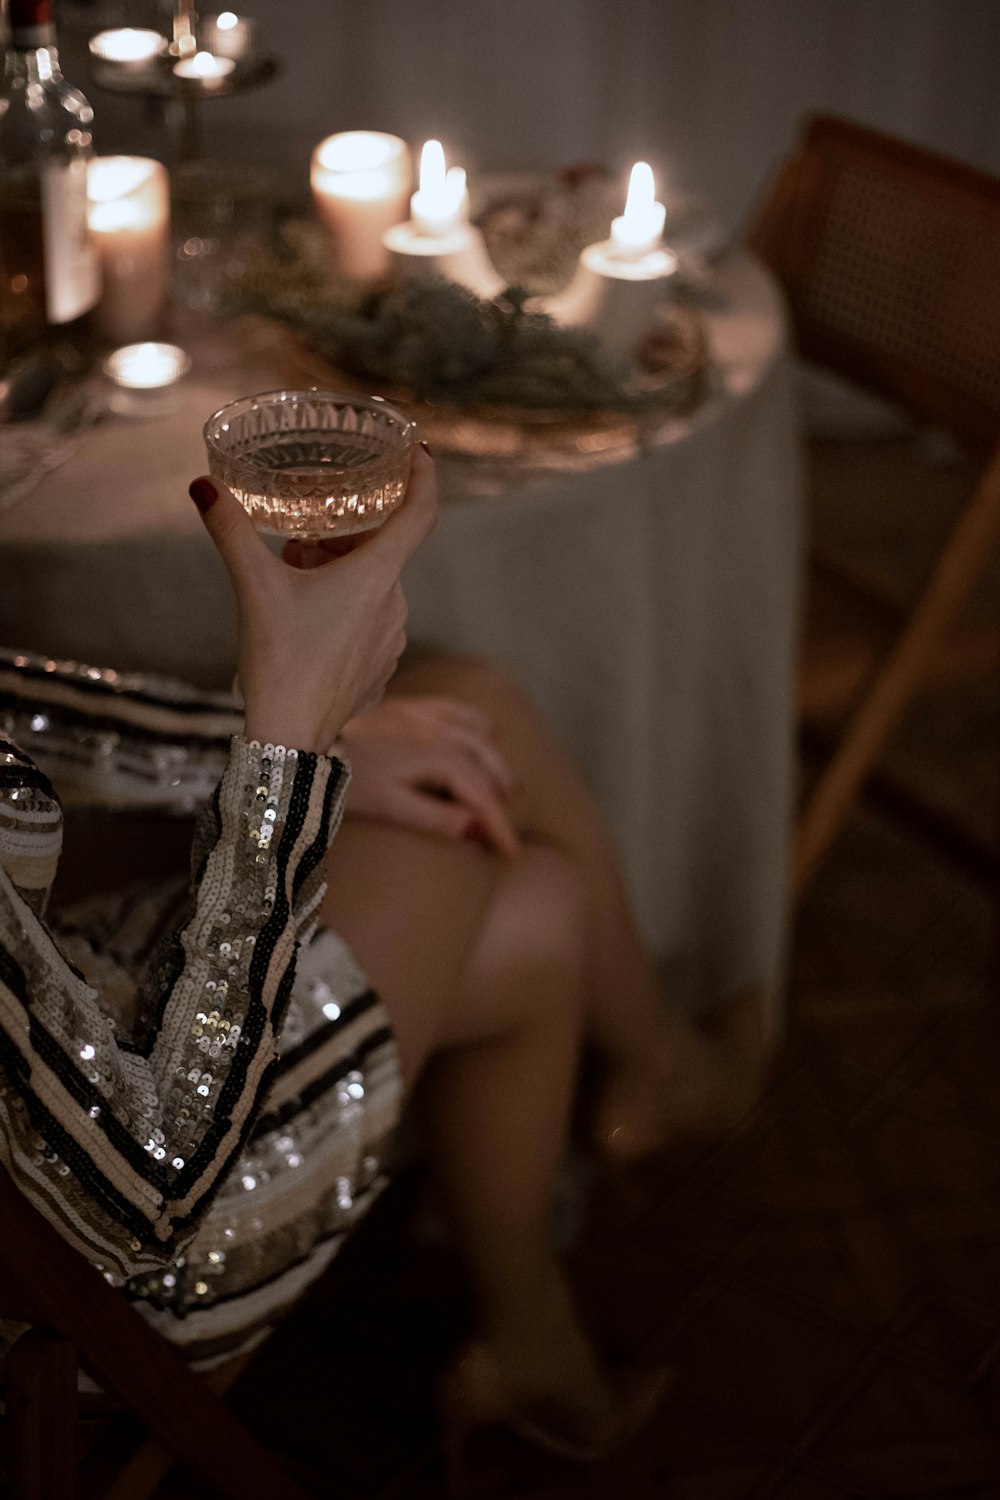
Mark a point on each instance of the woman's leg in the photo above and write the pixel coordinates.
(663, 1073)
(479, 967)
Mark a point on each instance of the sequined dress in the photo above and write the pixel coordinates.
(197, 1085)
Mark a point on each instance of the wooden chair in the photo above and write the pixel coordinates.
(75, 1316)
(889, 258)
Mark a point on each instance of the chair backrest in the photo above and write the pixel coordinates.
(889, 257)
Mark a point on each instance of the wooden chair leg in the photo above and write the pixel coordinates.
(961, 562)
(41, 1400)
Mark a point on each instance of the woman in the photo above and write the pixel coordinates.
(196, 1085)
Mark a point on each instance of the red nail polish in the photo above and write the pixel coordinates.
(203, 493)
(476, 832)
(426, 447)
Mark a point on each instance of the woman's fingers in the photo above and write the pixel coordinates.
(474, 792)
(485, 754)
(244, 553)
(401, 534)
(450, 820)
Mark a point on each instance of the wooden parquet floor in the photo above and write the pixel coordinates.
(826, 1282)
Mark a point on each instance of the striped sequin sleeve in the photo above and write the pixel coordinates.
(122, 1146)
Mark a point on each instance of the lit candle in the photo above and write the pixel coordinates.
(620, 281)
(438, 238)
(360, 182)
(130, 48)
(128, 212)
(227, 35)
(146, 366)
(204, 67)
(441, 203)
(639, 229)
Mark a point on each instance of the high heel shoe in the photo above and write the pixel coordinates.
(710, 1082)
(474, 1396)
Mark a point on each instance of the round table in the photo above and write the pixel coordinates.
(649, 605)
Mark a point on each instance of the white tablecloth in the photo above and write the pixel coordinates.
(648, 605)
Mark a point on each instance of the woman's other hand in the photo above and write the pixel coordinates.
(430, 764)
(321, 631)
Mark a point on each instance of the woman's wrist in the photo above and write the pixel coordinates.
(294, 732)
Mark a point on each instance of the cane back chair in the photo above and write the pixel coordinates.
(889, 258)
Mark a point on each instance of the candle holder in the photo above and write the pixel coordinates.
(179, 94)
(126, 50)
(614, 296)
(204, 69)
(459, 255)
(227, 35)
(143, 377)
(185, 21)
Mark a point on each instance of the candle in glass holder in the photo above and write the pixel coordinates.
(438, 237)
(360, 181)
(204, 68)
(619, 281)
(128, 211)
(146, 366)
(130, 48)
(227, 35)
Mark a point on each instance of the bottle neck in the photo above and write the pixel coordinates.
(32, 54)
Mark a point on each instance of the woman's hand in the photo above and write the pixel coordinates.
(321, 631)
(431, 764)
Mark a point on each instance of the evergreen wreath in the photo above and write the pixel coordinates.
(435, 341)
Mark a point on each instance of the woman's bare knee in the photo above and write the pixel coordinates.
(473, 679)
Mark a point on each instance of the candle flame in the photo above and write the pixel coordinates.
(432, 173)
(441, 190)
(641, 192)
(357, 151)
(227, 20)
(110, 177)
(146, 367)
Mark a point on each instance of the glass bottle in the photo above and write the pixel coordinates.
(49, 271)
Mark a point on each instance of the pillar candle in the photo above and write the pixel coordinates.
(129, 216)
(361, 181)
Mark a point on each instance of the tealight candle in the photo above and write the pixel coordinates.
(639, 229)
(441, 202)
(130, 48)
(360, 182)
(204, 67)
(619, 281)
(146, 366)
(438, 237)
(128, 212)
(227, 35)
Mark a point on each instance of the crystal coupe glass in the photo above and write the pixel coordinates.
(312, 464)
